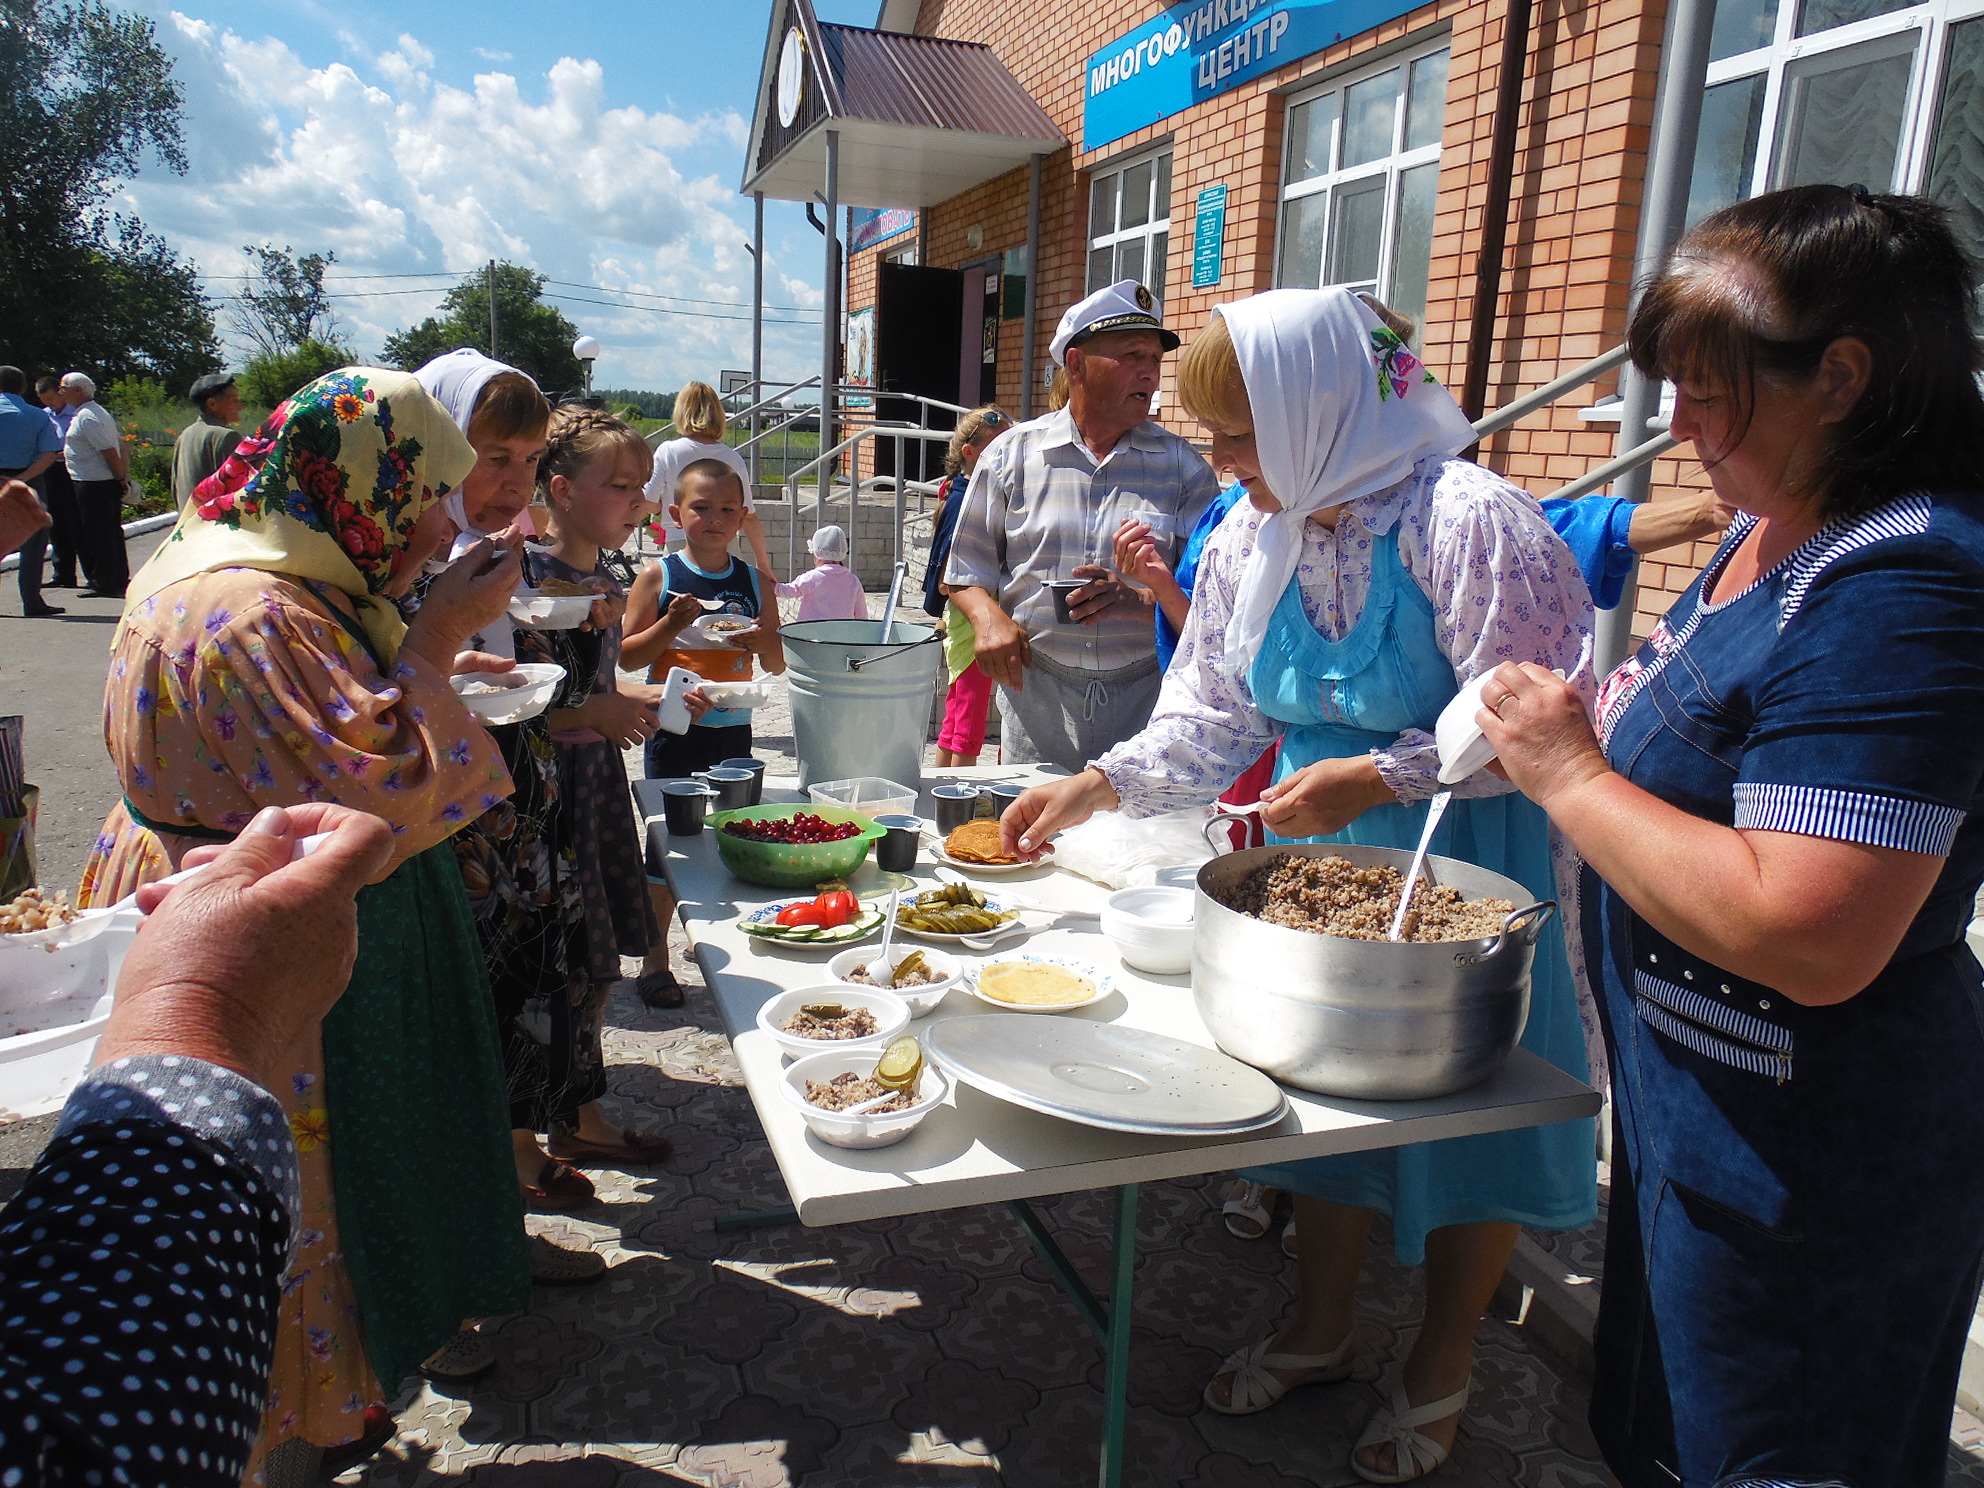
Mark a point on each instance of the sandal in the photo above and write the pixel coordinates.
(553, 1265)
(560, 1188)
(1416, 1453)
(1248, 1211)
(633, 1149)
(1289, 1240)
(467, 1356)
(659, 989)
(380, 1428)
(1255, 1386)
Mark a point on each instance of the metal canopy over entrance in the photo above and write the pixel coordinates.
(920, 119)
(847, 116)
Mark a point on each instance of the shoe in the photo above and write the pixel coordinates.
(633, 1150)
(379, 1429)
(560, 1188)
(1255, 1387)
(42, 612)
(659, 989)
(553, 1265)
(1417, 1454)
(1248, 1211)
(93, 594)
(1290, 1241)
(467, 1356)
(68, 581)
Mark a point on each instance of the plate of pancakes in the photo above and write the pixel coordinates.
(974, 848)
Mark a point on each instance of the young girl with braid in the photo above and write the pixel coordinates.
(591, 479)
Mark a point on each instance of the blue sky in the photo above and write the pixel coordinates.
(422, 140)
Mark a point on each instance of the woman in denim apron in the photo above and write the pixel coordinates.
(1779, 814)
(1370, 575)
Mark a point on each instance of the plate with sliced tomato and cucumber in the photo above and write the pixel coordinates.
(834, 916)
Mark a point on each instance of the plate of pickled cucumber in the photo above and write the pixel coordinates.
(952, 912)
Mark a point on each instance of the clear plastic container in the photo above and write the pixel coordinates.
(870, 795)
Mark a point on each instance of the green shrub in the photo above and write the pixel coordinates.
(266, 380)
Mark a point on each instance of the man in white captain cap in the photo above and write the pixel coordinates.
(1044, 505)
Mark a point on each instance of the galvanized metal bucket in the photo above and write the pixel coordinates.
(1365, 1019)
(860, 706)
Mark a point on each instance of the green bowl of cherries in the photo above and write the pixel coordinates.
(793, 847)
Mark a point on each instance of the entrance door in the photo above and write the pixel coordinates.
(919, 319)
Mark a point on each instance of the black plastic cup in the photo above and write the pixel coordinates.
(1061, 589)
(954, 804)
(757, 768)
(896, 852)
(732, 788)
(683, 803)
(1001, 796)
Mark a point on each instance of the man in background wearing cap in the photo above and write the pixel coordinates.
(93, 449)
(202, 446)
(59, 492)
(1044, 505)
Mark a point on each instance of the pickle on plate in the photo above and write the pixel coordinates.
(901, 1064)
(823, 1010)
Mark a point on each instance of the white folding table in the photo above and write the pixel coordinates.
(978, 1149)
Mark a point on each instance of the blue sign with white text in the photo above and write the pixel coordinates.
(1199, 49)
(1209, 237)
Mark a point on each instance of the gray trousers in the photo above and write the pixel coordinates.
(1068, 716)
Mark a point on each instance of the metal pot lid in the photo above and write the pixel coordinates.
(1101, 1074)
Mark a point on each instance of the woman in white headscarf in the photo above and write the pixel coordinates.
(1369, 576)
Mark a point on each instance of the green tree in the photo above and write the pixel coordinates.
(271, 376)
(90, 95)
(530, 335)
(285, 304)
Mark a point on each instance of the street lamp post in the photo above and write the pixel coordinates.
(586, 349)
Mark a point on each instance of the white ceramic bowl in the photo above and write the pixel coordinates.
(512, 704)
(1102, 980)
(550, 611)
(1464, 749)
(920, 1000)
(858, 1131)
(891, 1018)
(1151, 928)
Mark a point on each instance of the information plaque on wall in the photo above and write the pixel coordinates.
(1209, 237)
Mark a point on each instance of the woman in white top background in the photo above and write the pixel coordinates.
(700, 417)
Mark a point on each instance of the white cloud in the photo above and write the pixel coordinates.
(488, 56)
(398, 173)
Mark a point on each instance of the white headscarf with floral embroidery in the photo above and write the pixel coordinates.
(1341, 409)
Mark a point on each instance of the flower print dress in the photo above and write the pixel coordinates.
(520, 865)
(238, 689)
(620, 918)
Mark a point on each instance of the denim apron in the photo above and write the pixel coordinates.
(1338, 699)
(1796, 1230)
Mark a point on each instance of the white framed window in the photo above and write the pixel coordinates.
(1880, 93)
(1360, 174)
(1129, 223)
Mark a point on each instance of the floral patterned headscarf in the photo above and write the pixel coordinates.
(327, 489)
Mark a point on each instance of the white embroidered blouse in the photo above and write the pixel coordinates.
(1501, 582)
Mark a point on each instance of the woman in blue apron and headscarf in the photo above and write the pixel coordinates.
(1372, 574)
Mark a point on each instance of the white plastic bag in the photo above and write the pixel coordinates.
(1125, 852)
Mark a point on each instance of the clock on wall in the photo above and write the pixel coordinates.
(791, 77)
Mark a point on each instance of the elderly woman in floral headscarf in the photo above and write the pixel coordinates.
(262, 661)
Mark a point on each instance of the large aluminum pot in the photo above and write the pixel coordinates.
(1366, 1019)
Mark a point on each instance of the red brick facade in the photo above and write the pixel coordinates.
(1581, 151)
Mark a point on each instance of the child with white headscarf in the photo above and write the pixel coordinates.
(830, 590)
(1371, 574)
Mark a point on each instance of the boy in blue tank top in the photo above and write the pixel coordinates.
(709, 507)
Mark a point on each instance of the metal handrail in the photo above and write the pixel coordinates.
(1550, 392)
(822, 482)
(1612, 469)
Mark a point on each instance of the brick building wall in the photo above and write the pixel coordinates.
(1580, 159)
